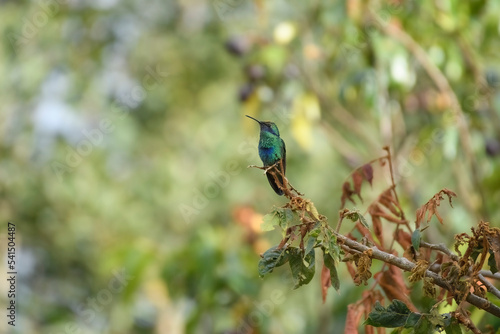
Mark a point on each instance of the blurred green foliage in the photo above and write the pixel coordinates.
(124, 146)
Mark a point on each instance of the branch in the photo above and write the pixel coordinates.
(406, 265)
(481, 276)
(440, 247)
(489, 274)
(491, 289)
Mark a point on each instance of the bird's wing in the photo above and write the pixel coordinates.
(283, 153)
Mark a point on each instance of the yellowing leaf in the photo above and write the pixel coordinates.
(312, 209)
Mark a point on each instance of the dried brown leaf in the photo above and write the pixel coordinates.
(430, 211)
(363, 264)
(418, 272)
(325, 282)
(392, 282)
(494, 243)
(410, 254)
(377, 229)
(357, 180)
(420, 215)
(403, 238)
(450, 194)
(430, 208)
(351, 269)
(429, 287)
(347, 193)
(354, 314)
(363, 230)
(368, 173)
(375, 210)
(388, 200)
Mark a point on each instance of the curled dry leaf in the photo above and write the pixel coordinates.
(403, 238)
(388, 200)
(325, 282)
(351, 269)
(377, 229)
(363, 263)
(347, 193)
(494, 244)
(430, 208)
(418, 272)
(368, 173)
(392, 282)
(357, 180)
(354, 314)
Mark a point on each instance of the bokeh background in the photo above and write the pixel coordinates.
(124, 148)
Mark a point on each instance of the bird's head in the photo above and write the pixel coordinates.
(267, 126)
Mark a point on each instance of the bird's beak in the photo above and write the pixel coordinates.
(253, 119)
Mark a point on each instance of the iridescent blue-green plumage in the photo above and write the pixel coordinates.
(271, 150)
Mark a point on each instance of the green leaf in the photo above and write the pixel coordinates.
(476, 252)
(492, 262)
(415, 239)
(331, 245)
(354, 216)
(331, 265)
(284, 217)
(423, 326)
(453, 327)
(310, 244)
(315, 232)
(270, 220)
(396, 315)
(288, 217)
(271, 259)
(363, 220)
(435, 318)
(450, 324)
(303, 268)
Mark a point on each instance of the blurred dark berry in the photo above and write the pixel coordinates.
(492, 147)
(255, 72)
(238, 45)
(246, 91)
(492, 79)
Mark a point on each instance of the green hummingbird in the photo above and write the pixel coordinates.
(271, 150)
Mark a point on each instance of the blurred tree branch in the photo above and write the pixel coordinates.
(444, 86)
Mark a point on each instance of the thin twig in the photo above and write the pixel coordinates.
(442, 248)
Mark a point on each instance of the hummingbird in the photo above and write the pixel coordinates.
(271, 150)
